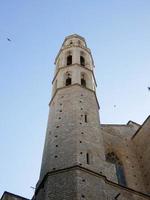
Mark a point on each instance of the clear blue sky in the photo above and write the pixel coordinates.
(118, 33)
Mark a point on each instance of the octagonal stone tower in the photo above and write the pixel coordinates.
(74, 165)
(73, 140)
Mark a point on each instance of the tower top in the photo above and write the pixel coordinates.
(69, 37)
(74, 65)
(74, 40)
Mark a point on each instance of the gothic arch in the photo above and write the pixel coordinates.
(69, 58)
(114, 159)
(83, 79)
(82, 59)
(85, 60)
(68, 78)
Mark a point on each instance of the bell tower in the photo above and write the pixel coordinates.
(73, 147)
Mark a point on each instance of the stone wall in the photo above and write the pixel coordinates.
(69, 138)
(117, 139)
(141, 141)
(78, 183)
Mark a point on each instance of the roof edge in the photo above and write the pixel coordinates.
(140, 127)
(12, 194)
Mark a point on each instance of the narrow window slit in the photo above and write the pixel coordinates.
(85, 118)
(87, 159)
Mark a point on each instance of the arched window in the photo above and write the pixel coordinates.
(69, 60)
(112, 158)
(82, 61)
(83, 82)
(68, 81)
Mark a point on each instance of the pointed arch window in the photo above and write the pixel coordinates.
(82, 61)
(68, 78)
(69, 60)
(83, 79)
(71, 42)
(112, 158)
(83, 82)
(68, 81)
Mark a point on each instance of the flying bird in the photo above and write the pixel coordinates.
(8, 39)
(148, 88)
(32, 187)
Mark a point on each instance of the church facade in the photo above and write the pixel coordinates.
(82, 158)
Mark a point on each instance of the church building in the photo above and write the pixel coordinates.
(82, 158)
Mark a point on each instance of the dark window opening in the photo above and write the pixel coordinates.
(120, 175)
(112, 158)
(83, 82)
(85, 118)
(87, 159)
(69, 60)
(82, 61)
(68, 81)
